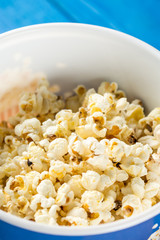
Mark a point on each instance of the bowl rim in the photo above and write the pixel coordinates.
(89, 230)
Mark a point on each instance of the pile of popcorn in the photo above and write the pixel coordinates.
(92, 158)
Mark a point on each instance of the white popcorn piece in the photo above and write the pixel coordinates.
(77, 211)
(90, 130)
(75, 184)
(44, 144)
(46, 188)
(151, 141)
(64, 195)
(127, 189)
(122, 104)
(98, 102)
(118, 149)
(23, 205)
(28, 126)
(134, 167)
(57, 149)
(105, 182)
(75, 146)
(137, 185)
(58, 169)
(134, 112)
(46, 124)
(146, 204)
(64, 115)
(17, 185)
(44, 216)
(121, 175)
(90, 180)
(131, 205)
(108, 203)
(101, 162)
(151, 189)
(92, 200)
(33, 179)
(102, 217)
(42, 200)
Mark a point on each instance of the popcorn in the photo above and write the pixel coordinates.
(134, 167)
(17, 185)
(75, 146)
(151, 189)
(131, 205)
(90, 180)
(117, 149)
(78, 211)
(58, 169)
(90, 130)
(33, 179)
(95, 162)
(101, 162)
(107, 87)
(134, 112)
(44, 144)
(46, 188)
(47, 217)
(75, 184)
(146, 204)
(28, 126)
(57, 148)
(92, 200)
(151, 141)
(122, 104)
(77, 216)
(121, 175)
(101, 217)
(137, 185)
(23, 204)
(105, 182)
(64, 195)
(42, 200)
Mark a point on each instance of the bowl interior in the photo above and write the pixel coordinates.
(73, 53)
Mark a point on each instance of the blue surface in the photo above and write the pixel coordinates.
(139, 18)
(139, 232)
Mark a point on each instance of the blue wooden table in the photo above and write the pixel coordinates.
(139, 18)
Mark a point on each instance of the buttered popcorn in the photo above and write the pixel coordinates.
(92, 158)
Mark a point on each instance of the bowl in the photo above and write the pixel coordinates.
(75, 53)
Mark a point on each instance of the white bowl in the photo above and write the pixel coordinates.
(75, 53)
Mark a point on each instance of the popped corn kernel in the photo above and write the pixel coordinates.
(57, 149)
(46, 188)
(151, 189)
(90, 180)
(131, 205)
(101, 162)
(64, 195)
(137, 185)
(92, 200)
(41, 200)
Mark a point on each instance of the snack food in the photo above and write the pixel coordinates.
(89, 159)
